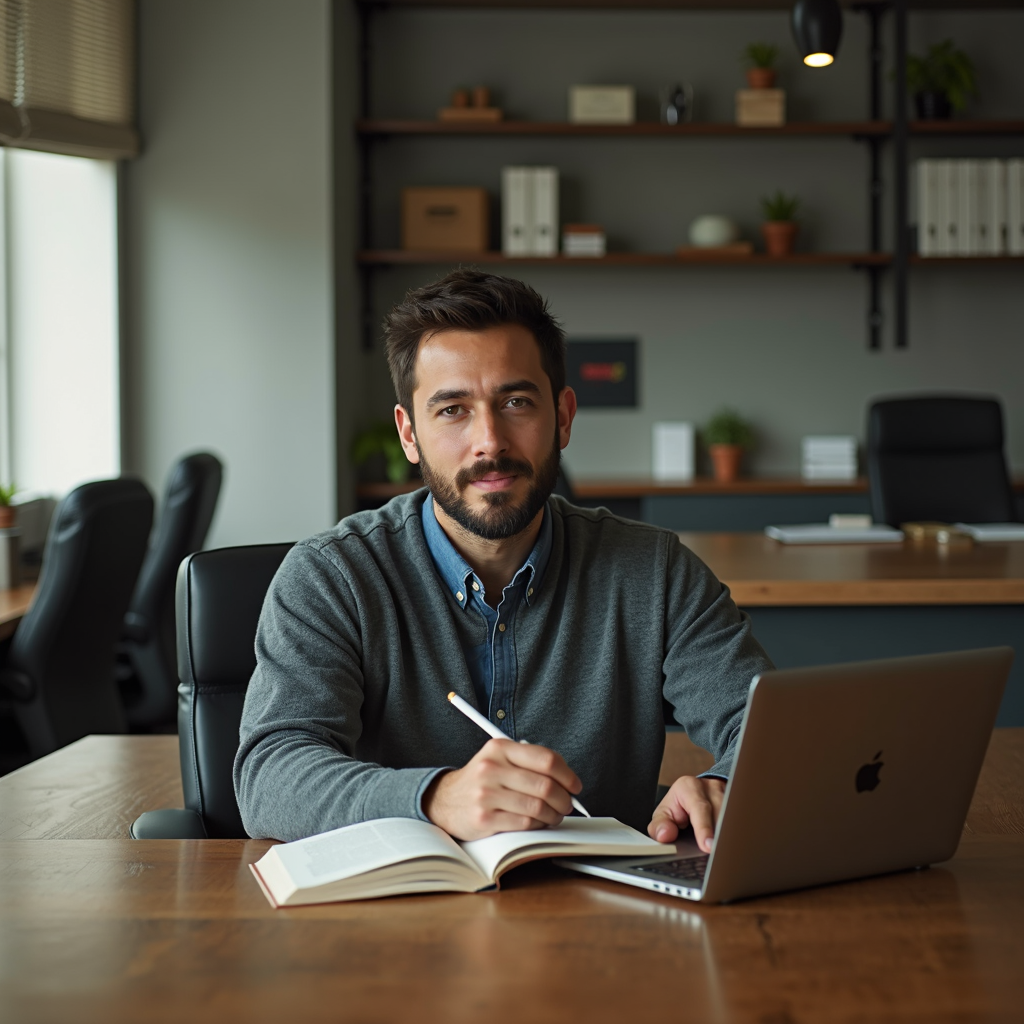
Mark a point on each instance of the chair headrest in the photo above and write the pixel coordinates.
(939, 423)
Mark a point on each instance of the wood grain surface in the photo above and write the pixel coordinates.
(762, 572)
(113, 930)
(13, 605)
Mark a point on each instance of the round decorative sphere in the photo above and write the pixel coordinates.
(712, 230)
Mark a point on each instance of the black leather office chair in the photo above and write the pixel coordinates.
(219, 597)
(147, 674)
(938, 458)
(563, 487)
(59, 667)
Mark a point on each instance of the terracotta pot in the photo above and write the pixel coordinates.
(779, 236)
(761, 78)
(6, 517)
(725, 459)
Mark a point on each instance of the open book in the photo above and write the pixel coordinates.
(389, 856)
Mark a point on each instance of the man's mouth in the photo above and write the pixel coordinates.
(494, 481)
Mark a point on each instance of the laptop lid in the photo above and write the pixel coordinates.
(850, 770)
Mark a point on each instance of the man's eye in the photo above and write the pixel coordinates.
(517, 403)
(450, 410)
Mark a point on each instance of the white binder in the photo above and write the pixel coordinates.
(1015, 207)
(545, 211)
(516, 211)
(992, 207)
(927, 207)
(967, 221)
(948, 208)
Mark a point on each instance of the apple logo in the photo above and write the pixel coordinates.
(867, 775)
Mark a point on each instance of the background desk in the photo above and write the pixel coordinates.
(97, 927)
(818, 604)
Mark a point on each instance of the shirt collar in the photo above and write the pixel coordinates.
(458, 574)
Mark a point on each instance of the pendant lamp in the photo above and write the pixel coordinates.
(817, 29)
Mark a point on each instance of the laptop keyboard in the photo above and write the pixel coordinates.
(685, 869)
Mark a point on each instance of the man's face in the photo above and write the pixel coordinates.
(487, 432)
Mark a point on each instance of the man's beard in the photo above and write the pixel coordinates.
(503, 519)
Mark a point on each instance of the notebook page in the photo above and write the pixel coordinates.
(566, 838)
(356, 849)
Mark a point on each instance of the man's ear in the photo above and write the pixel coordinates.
(406, 434)
(566, 414)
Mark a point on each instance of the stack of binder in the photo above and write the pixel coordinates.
(829, 458)
(970, 207)
(529, 211)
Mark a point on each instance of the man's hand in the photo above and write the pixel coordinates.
(507, 787)
(690, 801)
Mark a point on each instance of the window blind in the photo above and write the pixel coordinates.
(67, 76)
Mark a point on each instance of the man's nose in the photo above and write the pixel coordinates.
(489, 440)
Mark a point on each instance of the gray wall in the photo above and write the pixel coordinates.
(229, 333)
(786, 347)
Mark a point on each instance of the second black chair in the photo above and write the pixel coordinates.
(938, 458)
(59, 669)
(148, 675)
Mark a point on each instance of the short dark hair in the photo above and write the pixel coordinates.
(469, 300)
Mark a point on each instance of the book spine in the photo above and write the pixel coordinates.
(943, 195)
(996, 203)
(1015, 207)
(545, 211)
(967, 208)
(515, 223)
(927, 208)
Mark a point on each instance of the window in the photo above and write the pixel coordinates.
(59, 404)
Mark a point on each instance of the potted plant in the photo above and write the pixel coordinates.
(6, 509)
(940, 81)
(381, 438)
(760, 60)
(727, 434)
(779, 227)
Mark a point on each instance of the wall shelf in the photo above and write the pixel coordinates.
(390, 257)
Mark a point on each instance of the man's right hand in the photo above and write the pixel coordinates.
(507, 787)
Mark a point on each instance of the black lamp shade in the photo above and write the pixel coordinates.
(817, 29)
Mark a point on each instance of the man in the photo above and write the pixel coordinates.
(570, 628)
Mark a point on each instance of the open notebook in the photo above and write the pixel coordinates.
(389, 856)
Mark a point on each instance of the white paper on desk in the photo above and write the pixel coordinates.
(822, 533)
(992, 531)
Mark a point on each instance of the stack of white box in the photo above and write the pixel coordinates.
(829, 458)
(970, 207)
(583, 240)
(529, 211)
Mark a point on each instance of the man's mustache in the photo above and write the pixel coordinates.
(505, 465)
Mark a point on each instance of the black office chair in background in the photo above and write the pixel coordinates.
(59, 667)
(219, 597)
(147, 673)
(938, 458)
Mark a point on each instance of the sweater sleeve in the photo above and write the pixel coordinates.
(711, 656)
(296, 773)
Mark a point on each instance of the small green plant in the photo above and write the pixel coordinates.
(728, 427)
(761, 55)
(7, 491)
(943, 69)
(780, 206)
(382, 437)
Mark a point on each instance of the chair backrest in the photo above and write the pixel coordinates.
(184, 520)
(64, 648)
(219, 598)
(938, 458)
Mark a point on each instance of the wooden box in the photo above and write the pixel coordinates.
(760, 108)
(445, 218)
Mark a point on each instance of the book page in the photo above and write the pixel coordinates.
(356, 849)
(574, 836)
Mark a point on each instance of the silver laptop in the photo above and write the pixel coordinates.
(842, 771)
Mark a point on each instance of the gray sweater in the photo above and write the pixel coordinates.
(360, 641)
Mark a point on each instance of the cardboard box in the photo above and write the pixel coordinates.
(602, 104)
(760, 108)
(445, 218)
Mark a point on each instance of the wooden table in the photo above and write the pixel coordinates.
(13, 605)
(96, 927)
(819, 604)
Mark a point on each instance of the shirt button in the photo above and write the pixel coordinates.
(499, 713)
(501, 627)
(476, 586)
(458, 596)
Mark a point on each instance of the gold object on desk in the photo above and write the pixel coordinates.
(935, 533)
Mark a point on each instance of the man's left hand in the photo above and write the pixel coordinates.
(690, 801)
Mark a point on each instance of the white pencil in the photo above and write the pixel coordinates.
(492, 730)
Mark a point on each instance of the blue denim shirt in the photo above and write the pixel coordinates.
(492, 665)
